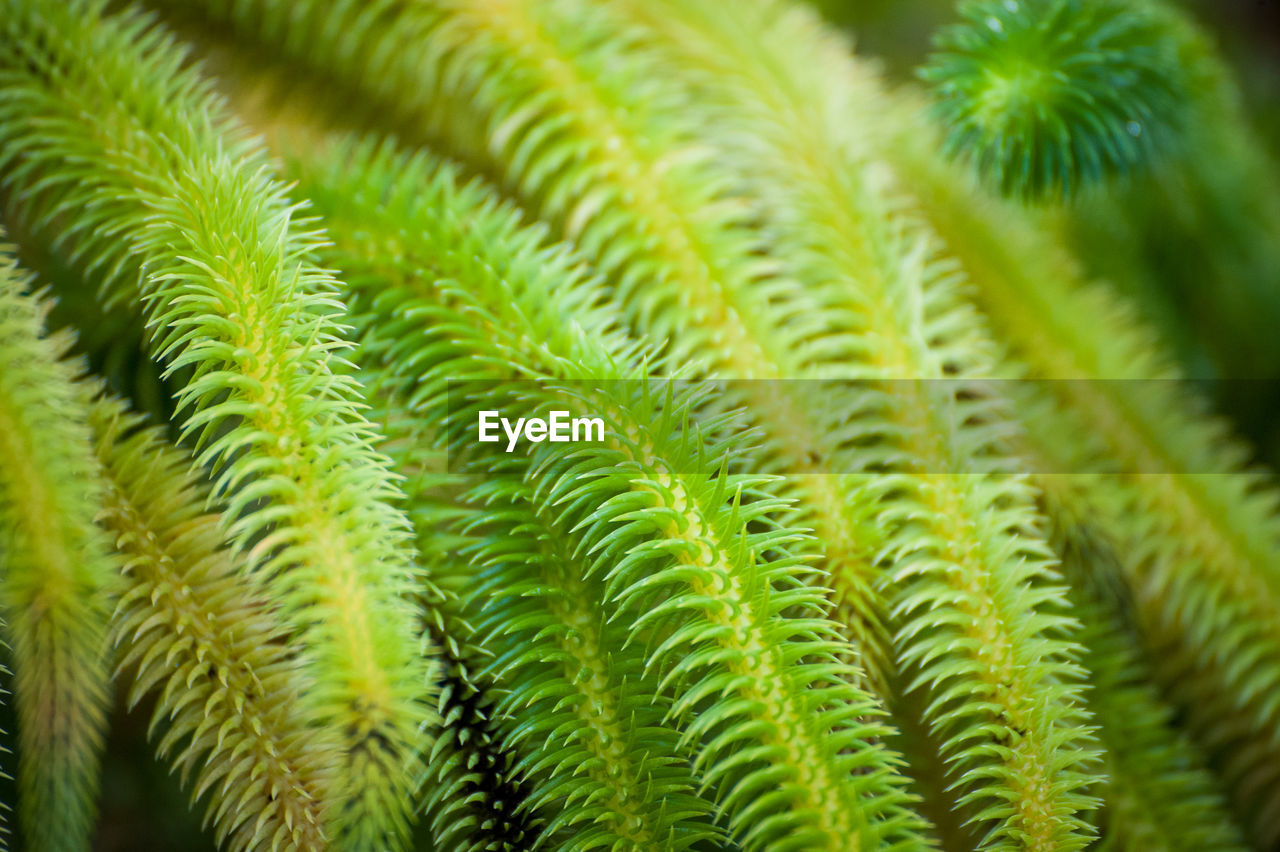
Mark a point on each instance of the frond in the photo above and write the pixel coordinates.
(1197, 529)
(893, 515)
(446, 252)
(829, 495)
(736, 634)
(190, 625)
(56, 574)
(475, 800)
(176, 212)
(670, 235)
(472, 800)
(1156, 787)
(1047, 95)
(505, 286)
(544, 90)
(573, 691)
(776, 89)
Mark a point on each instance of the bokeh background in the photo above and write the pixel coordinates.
(1195, 244)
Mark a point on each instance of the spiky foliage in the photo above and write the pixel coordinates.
(55, 574)
(1046, 95)
(555, 722)
(822, 209)
(173, 209)
(540, 86)
(470, 798)
(487, 275)
(1199, 548)
(1157, 790)
(673, 242)
(587, 700)
(1133, 744)
(342, 44)
(812, 781)
(635, 650)
(669, 236)
(473, 799)
(408, 282)
(190, 624)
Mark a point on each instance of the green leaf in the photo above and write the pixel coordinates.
(163, 198)
(55, 574)
(190, 625)
(498, 296)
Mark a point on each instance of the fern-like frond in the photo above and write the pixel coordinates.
(418, 249)
(572, 128)
(575, 691)
(627, 644)
(776, 89)
(472, 799)
(497, 291)
(1046, 95)
(344, 44)
(55, 574)
(715, 583)
(160, 196)
(191, 625)
(1156, 788)
(542, 733)
(1197, 529)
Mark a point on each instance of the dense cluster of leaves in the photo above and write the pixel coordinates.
(812, 611)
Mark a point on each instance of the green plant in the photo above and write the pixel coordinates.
(1050, 94)
(187, 224)
(508, 323)
(58, 572)
(820, 584)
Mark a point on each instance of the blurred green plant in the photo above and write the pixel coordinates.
(788, 622)
(1048, 95)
